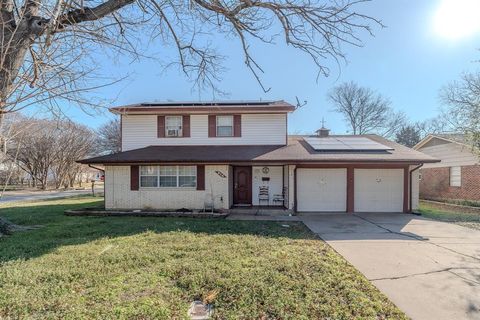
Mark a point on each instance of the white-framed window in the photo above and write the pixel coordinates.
(168, 176)
(173, 126)
(224, 126)
(149, 176)
(455, 176)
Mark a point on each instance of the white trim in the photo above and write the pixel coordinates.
(179, 127)
(177, 176)
(455, 176)
(431, 136)
(232, 126)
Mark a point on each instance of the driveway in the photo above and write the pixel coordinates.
(429, 269)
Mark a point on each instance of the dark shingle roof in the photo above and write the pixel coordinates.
(297, 151)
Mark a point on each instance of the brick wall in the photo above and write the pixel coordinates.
(119, 196)
(435, 184)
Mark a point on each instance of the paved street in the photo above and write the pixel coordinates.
(14, 196)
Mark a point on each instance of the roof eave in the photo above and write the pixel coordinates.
(289, 161)
(431, 136)
(230, 110)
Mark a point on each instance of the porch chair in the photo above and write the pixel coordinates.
(208, 203)
(280, 197)
(263, 195)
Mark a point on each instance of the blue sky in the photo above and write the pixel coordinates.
(408, 62)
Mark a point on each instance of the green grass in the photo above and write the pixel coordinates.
(467, 219)
(152, 268)
(468, 203)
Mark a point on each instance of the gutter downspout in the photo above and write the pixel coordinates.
(93, 167)
(410, 189)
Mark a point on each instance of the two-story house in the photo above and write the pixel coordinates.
(233, 154)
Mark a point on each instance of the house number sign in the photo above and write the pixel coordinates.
(221, 174)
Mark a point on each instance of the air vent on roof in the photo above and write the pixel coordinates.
(345, 144)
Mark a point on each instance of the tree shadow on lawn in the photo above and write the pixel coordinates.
(57, 230)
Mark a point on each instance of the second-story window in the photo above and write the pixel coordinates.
(224, 126)
(173, 126)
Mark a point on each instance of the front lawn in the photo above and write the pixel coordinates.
(152, 268)
(466, 219)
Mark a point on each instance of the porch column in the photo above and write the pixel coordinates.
(350, 189)
(291, 187)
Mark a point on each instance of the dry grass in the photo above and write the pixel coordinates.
(152, 268)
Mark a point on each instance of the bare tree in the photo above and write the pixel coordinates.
(9, 171)
(434, 125)
(365, 111)
(35, 150)
(109, 137)
(73, 142)
(48, 47)
(462, 99)
(49, 150)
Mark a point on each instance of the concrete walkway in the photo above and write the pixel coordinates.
(251, 217)
(429, 269)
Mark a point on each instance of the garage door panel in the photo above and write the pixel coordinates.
(321, 190)
(378, 190)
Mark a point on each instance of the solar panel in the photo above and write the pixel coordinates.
(345, 144)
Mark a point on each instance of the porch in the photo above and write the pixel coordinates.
(260, 211)
(261, 189)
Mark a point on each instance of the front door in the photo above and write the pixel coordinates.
(242, 185)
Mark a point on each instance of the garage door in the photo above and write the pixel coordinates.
(321, 190)
(378, 190)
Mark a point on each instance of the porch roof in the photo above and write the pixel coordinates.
(296, 151)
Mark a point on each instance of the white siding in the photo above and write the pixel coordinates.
(119, 196)
(275, 184)
(451, 154)
(139, 131)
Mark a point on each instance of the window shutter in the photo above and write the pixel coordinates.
(186, 126)
(201, 177)
(212, 125)
(134, 176)
(161, 126)
(237, 125)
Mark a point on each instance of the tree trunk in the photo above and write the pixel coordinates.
(7, 227)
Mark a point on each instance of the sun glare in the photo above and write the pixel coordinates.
(456, 19)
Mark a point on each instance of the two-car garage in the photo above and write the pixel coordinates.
(331, 190)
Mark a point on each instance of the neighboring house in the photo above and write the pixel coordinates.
(457, 176)
(186, 155)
